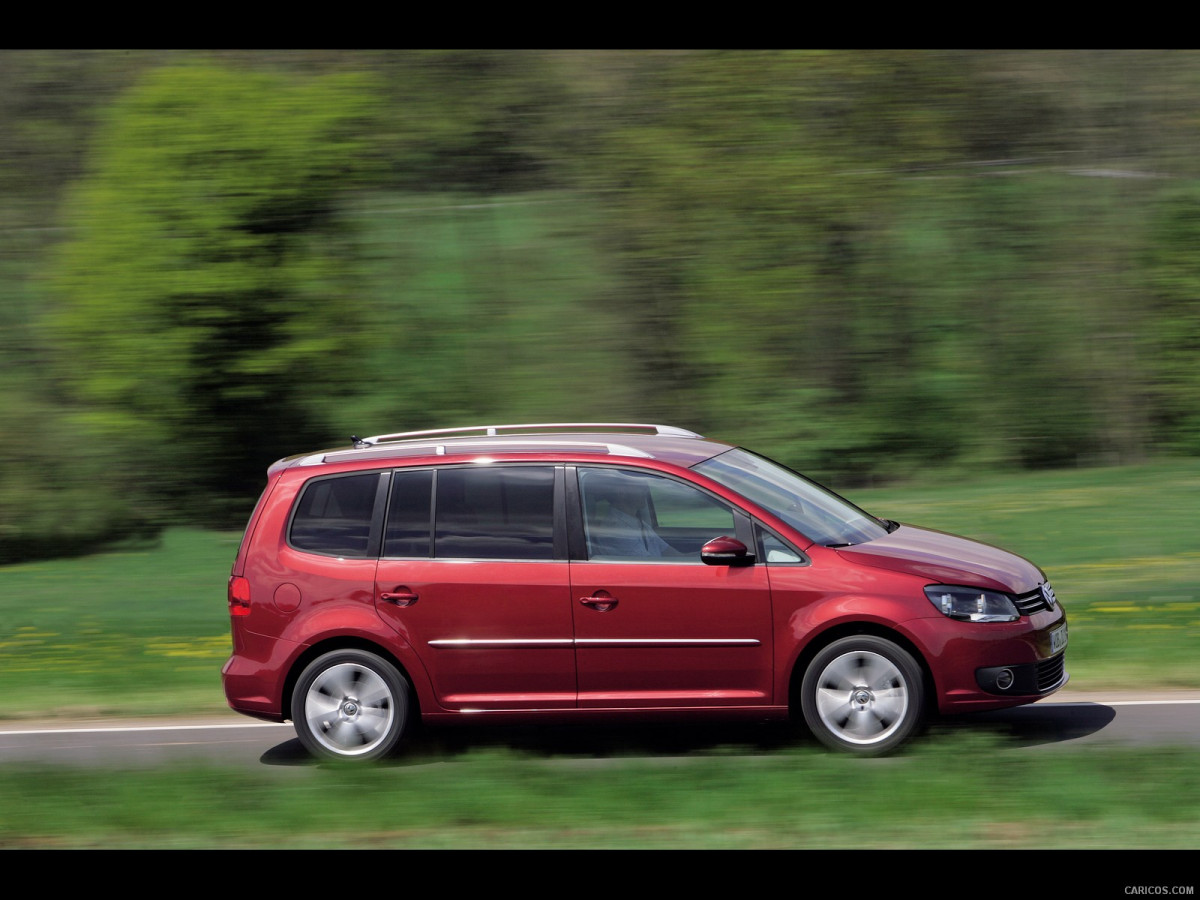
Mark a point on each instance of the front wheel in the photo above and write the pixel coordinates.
(862, 694)
(350, 704)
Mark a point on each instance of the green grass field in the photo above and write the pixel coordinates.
(133, 632)
(145, 631)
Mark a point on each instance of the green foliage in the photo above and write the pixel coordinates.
(203, 293)
(480, 309)
(864, 263)
(64, 490)
(48, 103)
(761, 222)
(1174, 341)
(478, 121)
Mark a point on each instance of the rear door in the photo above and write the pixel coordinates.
(474, 576)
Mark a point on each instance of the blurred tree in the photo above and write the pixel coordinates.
(1173, 264)
(203, 293)
(861, 262)
(64, 488)
(48, 105)
(750, 196)
(482, 121)
(878, 261)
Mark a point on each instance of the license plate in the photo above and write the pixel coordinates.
(1058, 639)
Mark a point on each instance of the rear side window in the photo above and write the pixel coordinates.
(333, 516)
(408, 514)
(506, 512)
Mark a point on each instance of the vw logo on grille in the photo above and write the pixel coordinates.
(1048, 595)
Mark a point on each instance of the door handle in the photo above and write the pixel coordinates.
(601, 601)
(401, 597)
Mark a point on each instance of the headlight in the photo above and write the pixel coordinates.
(971, 604)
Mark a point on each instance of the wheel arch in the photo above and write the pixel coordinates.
(855, 629)
(347, 642)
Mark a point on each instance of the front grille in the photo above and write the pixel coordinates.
(1050, 672)
(1032, 601)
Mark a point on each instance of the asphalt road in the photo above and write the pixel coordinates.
(1066, 720)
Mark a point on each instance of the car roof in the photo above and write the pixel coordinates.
(666, 443)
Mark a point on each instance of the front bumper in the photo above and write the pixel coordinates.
(1036, 679)
(977, 666)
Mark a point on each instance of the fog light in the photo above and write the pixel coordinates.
(1004, 679)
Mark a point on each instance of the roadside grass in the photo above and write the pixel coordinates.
(959, 792)
(145, 631)
(1120, 545)
(133, 632)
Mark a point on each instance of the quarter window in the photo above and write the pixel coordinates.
(774, 551)
(334, 515)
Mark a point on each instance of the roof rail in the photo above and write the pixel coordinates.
(389, 449)
(494, 430)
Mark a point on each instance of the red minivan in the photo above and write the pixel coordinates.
(570, 572)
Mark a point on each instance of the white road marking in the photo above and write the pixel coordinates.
(100, 729)
(132, 728)
(1116, 703)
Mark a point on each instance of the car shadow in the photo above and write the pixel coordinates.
(1022, 726)
(288, 753)
(430, 745)
(1035, 724)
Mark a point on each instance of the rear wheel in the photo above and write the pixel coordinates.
(862, 694)
(350, 704)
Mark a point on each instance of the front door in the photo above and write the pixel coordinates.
(655, 626)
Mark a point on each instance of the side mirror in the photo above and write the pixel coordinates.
(726, 551)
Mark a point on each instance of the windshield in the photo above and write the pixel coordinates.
(817, 513)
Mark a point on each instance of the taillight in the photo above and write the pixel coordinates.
(239, 596)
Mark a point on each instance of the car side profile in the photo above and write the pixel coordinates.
(575, 572)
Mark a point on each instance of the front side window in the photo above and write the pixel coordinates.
(495, 512)
(333, 516)
(641, 516)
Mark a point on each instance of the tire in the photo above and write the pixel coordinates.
(350, 705)
(863, 695)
